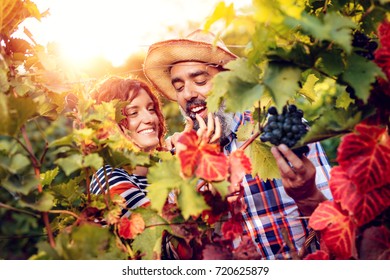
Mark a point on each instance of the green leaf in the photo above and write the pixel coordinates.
(14, 113)
(118, 158)
(48, 177)
(22, 88)
(222, 188)
(244, 70)
(219, 88)
(263, 162)
(23, 184)
(163, 178)
(344, 100)
(48, 110)
(44, 202)
(4, 84)
(71, 194)
(332, 123)
(93, 160)
(190, 201)
(88, 242)
(282, 82)
(18, 163)
(149, 241)
(239, 87)
(360, 73)
(331, 63)
(332, 27)
(64, 141)
(71, 163)
(241, 96)
(245, 131)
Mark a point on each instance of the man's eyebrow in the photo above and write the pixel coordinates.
(192, 75)
(198, 73)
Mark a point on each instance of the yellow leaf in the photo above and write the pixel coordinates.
(263, 162)
(308, 88)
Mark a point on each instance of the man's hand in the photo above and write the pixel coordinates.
(298, 178)
(210, 132)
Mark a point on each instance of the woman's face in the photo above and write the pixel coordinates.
(143, 122)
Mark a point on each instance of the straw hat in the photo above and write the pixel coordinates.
(199, 46)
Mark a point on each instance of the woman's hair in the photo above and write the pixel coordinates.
(126, 89)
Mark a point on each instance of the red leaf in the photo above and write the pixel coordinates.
(216, 252)
(129, 228)
(318, 255)
(124, 228)
(232, 229)
(213, 166)
(239, 165)
(187, 151)
(364, 207)
(375, 244)
(204, 160)
(365, 156)
(337, 229)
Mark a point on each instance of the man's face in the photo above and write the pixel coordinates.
(192, 82)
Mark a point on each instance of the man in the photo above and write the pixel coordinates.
(182, 70)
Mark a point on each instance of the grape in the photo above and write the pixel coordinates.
(286, 128)
(365, 45)
(372, 46)
(360, 40)
(272, 111)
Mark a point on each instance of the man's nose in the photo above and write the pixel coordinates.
(190, 93)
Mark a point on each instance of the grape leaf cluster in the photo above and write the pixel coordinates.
(364, 44)
(285, 128)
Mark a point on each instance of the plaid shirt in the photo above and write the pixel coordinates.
(270, 212)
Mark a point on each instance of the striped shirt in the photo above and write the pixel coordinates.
(129, 186)
(271, 215)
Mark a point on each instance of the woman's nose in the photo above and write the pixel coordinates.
(147, 116)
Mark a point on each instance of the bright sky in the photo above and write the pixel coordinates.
(115, 28)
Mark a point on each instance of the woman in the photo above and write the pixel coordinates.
(144, 124)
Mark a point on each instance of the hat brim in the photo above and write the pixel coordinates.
(162, 55)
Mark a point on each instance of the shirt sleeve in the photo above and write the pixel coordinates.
(119, 182)
(318, 157)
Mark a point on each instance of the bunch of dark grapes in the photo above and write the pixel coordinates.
(286, 128)
(365, 45)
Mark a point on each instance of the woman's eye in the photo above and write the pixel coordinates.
(132, 113)
(151, 109)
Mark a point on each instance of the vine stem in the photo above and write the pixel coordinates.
(2, 205)
(36, 166)
(64, 212)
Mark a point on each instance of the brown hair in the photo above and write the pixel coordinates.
(126, 89)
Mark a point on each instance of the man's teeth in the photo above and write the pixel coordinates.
(146, 131)
(197, 109)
